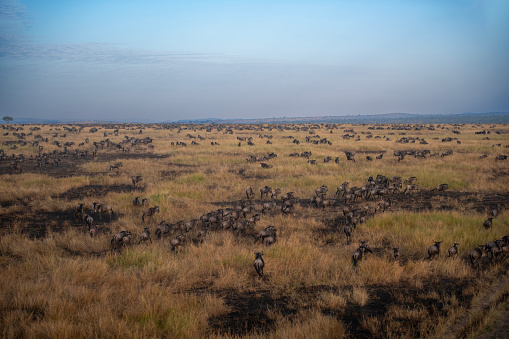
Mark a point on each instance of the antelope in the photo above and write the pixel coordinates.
(249, 193)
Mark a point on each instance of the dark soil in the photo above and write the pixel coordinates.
(93, 191)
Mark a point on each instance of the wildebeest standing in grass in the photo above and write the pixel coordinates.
(149, 212)
(249, 193)
(434, 250)
(259, 264)
(488, 223)
(453, 251)
(476, 254)
(78, 210)
(100, 208)
(145, 235)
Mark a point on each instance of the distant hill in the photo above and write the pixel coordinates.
(385, 118)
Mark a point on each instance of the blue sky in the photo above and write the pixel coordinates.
(171, 60)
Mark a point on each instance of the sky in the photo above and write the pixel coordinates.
(157, 60)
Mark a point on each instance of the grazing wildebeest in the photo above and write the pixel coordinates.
(145, 202)
(116, 166)
(149, 212)
(441, 187)
(136, 201)
(259, 264)
(501, 157)
(434, 250)
(453, 251)
(100, 208)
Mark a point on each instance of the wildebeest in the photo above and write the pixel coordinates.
(136, 201)
(145, 202)
(78, 210)
(501, 157)
(488, 223)
(259, 264)
(149, 212)
(441, 187)
(411, 188)
(348, 232)
(145, 235)
(265, 190)
(249, 193)
(357, 254)
(118, 239)
(268, 231)
(100, 208)
(321, 191)
(116, 166)
(136, 179)
(268, 206)
(177, 242)
(274, 193)
(396, 253)
(162, 230)
(476, 254)
(434, 250)
(453, 251)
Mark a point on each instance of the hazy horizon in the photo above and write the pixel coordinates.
(167, 60)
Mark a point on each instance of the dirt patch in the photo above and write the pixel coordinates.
(90, 191)
(249, 312)
(37, 224)
(68, 165)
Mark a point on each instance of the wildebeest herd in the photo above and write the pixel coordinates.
(241, 219)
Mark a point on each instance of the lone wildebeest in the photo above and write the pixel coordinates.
(259, 264)
(488, 223)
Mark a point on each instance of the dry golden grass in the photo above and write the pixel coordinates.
(67, 284)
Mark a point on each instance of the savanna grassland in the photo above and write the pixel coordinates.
(58, 281)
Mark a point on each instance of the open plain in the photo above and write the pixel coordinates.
(69, 271)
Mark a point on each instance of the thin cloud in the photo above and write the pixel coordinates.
(11, 9)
